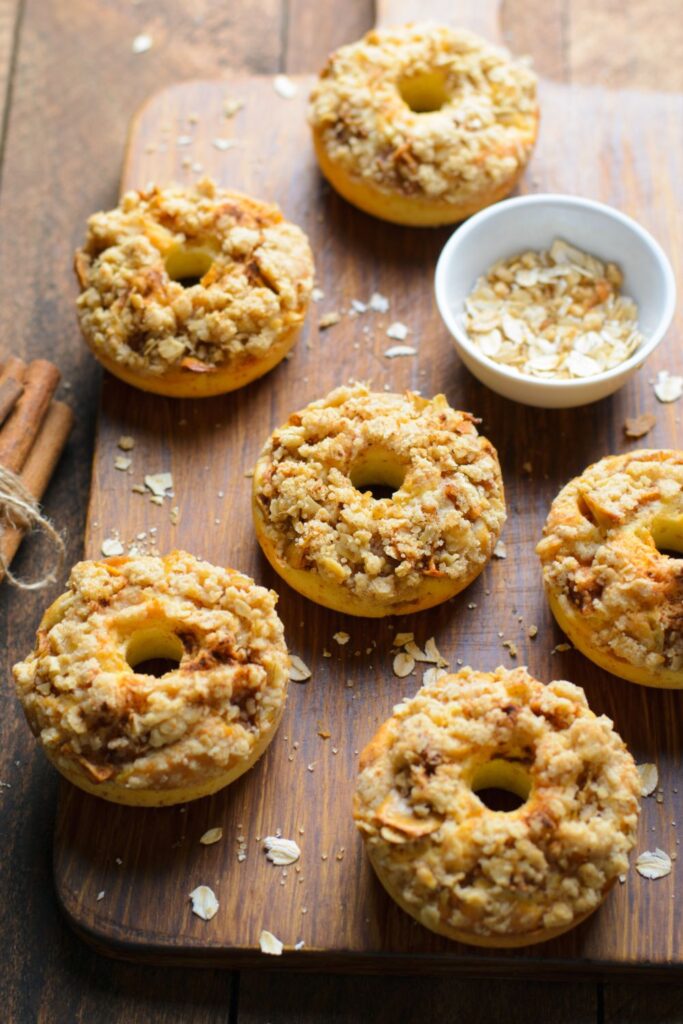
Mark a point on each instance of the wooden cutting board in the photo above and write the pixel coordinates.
(123, 875)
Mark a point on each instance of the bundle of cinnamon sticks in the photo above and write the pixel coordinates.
(34, 428)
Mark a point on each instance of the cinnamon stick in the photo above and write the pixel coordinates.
(11, 385)
(24, 422)
(39, 466)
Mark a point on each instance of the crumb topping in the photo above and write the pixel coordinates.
(480, 137)
(255, 278)
(601, 560)
(443, 520)
(96, 715)
(456, 863)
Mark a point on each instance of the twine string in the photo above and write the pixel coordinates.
(19, 510)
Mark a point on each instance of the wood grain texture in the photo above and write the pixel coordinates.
(643, 1004)
(338, 908)
(265, 996)
(74, 86)
(76, 145)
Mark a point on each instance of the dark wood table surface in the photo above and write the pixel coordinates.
(69, 83)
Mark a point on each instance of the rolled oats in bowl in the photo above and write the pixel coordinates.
(555, 314)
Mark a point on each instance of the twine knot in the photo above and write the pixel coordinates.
(19, 510)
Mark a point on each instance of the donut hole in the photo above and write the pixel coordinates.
(424, 93)
(502, 785)
(187, 265)
(667, 534)
(154, 652)
(379, 472)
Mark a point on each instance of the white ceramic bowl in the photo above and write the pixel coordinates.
(533, 222)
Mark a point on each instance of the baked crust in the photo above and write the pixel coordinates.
(488, 877)
(616, 595)
(455, 159)
(338, 545)
(136, 738)
(256, 276)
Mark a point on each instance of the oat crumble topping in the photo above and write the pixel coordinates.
(96, 716)
(481, 137)
(452, 861)
(600, 559)
(443, 521)
(131, 310)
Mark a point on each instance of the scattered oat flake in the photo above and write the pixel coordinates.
(223, 144)
(299, 671)
(126, 443)
(649, 778)
(432, 653)
(142, 43)
(500, 551)
(403, 664)
(317, 294)
(232, 107)
(397, 331)
(159, 483)
(324, 734)
(174, 515)
(285, 87)
(511, 646)
(432, 674)
(341, 638)
(329, 320)
(100, 895)
(111, 547)
(299, 945)
(204, 902)
(281, 851)
(400, 350)
(668, 387)
(639, 426)
(401, 639)
(270, 944)
(214, 835)
(561, 648)
(378, 303)
(555, 314)
(122, 462)
(532, 632)
(653, 864)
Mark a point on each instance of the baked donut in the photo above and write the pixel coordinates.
(135, 738)
(497, 878)
(424, 124)
(325, 533)
(192, 291)
(611, 585)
